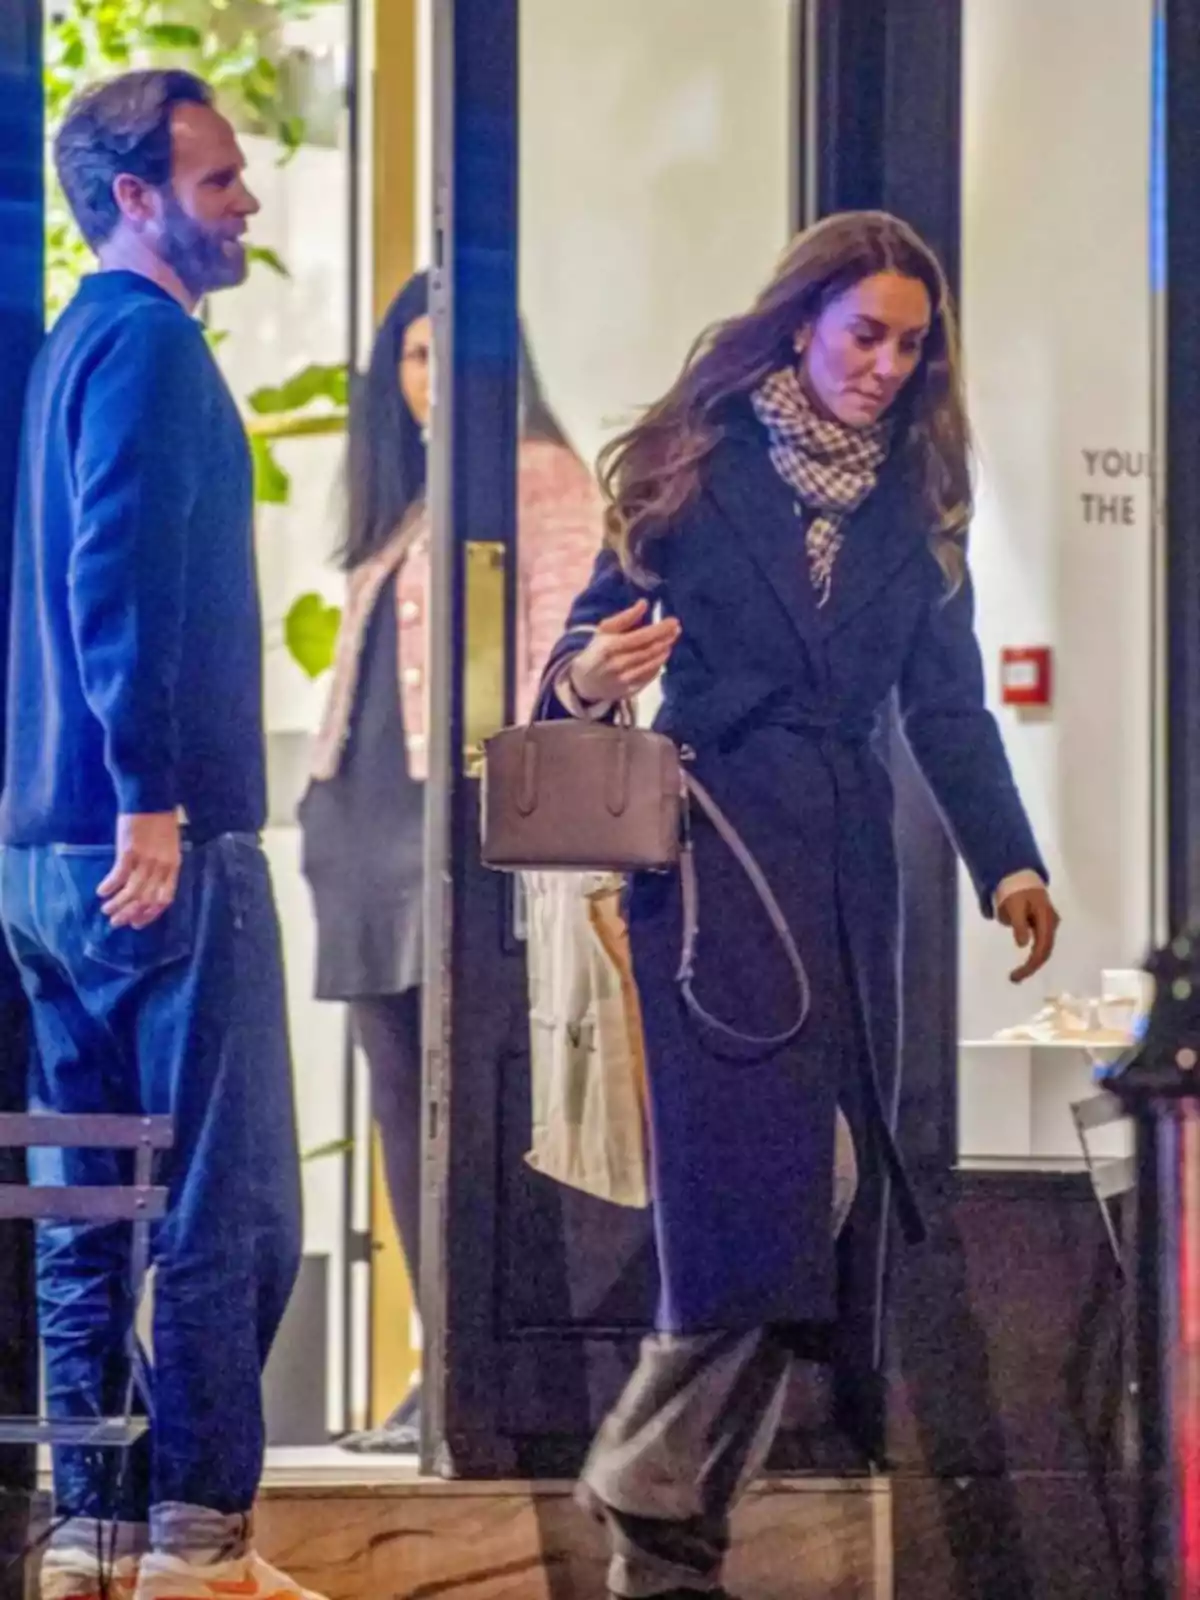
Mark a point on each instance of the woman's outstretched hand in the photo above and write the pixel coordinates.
(1031, 915)
(624, 656)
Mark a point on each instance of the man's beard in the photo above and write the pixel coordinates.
(202, 259)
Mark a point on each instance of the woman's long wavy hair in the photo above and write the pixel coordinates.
(651, 472)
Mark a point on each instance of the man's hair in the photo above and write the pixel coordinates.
(120, 127)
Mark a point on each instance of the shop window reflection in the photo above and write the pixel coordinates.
(1056, 248)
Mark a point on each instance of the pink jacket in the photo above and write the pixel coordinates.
(559, 529)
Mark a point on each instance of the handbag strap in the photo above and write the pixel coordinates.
(691, 925)
(694, 789)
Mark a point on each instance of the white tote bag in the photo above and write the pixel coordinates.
(588, 1065)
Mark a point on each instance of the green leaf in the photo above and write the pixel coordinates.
(313, 383)
(310, 632)
(290, 133)
(173, 36)
(272, 486)
(262, 78)
(267, 258)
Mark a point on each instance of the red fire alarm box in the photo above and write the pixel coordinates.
(1025, 676)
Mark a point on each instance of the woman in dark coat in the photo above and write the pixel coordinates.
(792, 516)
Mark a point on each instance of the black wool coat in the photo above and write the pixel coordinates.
(782, 703)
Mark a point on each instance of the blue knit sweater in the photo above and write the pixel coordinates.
(135, 679)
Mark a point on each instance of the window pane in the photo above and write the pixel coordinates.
(1057, 329)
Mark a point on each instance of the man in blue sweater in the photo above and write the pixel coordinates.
(133, 889)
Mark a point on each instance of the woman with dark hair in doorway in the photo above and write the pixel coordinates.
(795, 511)
(363, 813)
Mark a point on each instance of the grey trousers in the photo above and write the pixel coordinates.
(689, 1435)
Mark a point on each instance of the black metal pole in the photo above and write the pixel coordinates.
(1148, 1362)
(1160, 1084)
(1178, 1138)
(1178, 47)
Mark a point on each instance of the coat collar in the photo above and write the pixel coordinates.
(762, 509)
(884, 534)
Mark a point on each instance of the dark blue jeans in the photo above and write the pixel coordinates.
(185, 1018)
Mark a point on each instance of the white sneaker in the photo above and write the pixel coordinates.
(75, 1574)
(170, 1578)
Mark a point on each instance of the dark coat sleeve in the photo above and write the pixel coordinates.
(609, 590)
(958, 747)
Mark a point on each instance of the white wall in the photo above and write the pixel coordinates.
(655, 188)
(1056, 305)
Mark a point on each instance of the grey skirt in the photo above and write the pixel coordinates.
(366, 877)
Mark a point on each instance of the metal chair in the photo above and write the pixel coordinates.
(140, 1204)
(1111, 1176)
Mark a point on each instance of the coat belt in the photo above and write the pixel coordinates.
(711, 718)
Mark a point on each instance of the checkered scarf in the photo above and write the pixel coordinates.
(831, 467)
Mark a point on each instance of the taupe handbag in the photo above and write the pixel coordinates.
(580, 796)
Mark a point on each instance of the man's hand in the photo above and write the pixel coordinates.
(142, 884)
(1031, 915)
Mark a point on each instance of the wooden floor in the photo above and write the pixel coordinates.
(356, 1529)
(401, 1537)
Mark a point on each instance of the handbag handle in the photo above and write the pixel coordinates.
(691, 926)
(556, 669)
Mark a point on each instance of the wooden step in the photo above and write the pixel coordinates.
(403, 1537)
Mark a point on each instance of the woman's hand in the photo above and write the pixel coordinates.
(624, 656)
(1031, 915)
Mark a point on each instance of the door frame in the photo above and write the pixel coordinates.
(889, 136)
(22, 228)
(472, 489)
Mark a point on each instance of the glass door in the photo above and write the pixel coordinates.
(609, 182)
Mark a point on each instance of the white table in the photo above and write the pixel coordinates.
(1015, 1099)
